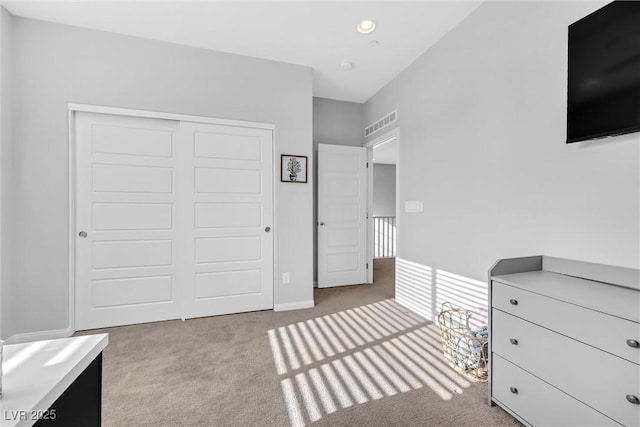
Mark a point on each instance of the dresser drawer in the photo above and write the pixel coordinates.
(617, 301)
(600, 330)
(592, 376)
(538, 403)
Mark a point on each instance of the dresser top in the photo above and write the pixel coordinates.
(37, 373)
(603, 297)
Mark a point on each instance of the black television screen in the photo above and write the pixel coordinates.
(603, 96)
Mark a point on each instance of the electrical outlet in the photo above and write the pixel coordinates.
(285, 278)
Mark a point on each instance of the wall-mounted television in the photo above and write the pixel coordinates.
(603, 95)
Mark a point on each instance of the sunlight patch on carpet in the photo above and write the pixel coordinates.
(356, 356)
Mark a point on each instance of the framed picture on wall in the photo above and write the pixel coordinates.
(293, 168)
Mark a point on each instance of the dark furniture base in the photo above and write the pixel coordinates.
(81, 403)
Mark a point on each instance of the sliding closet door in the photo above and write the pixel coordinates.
(125, 220)
(229, 194)
(173, 220)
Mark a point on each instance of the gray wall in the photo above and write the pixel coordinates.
(7, 293)
(384, 190)
(482, 120)
(338, 123)
(56, 64)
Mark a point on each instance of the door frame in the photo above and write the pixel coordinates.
(74, 108)
(392, 134)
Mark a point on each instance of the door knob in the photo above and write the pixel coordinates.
(513, 341)
(83, 234)
(513, 301)
(267, 229)
(322, 224)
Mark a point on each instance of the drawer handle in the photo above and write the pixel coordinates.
(513, 341)
(633, 343)
(633, 399)
(515, 390)
(513, 301)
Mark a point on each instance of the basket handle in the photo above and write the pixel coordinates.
(444, 304)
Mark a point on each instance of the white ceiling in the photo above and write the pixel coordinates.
(317, 34)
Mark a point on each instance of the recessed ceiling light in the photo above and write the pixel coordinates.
(346, 65)
(367, 26)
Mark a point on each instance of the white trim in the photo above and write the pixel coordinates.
(166, 116)
(386, 141)
(38, 336)
(384, 138)
(72, 220)
(274, 228)
(299, 305)
(370, 239)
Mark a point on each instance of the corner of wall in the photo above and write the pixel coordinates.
(6, 32)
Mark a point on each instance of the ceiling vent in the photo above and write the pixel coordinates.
(381, 124)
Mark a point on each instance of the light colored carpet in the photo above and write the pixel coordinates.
(356, 358)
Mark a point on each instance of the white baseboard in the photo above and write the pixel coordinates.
(41, 335)
(298, 305)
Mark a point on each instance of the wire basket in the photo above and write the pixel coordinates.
(465, 349)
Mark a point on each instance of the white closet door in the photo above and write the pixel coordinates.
(173, 219)
(125, 220)
(229, 193)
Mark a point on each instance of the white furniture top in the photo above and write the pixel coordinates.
(35, 374)
(620, 276)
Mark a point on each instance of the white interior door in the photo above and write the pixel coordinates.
(342, 215)
(173, 220)
(229, 256)
(125, 220)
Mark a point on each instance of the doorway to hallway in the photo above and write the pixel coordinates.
(383, 183)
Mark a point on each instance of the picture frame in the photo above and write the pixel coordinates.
(293, 168)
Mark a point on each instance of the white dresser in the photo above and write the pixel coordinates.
(565, 342)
